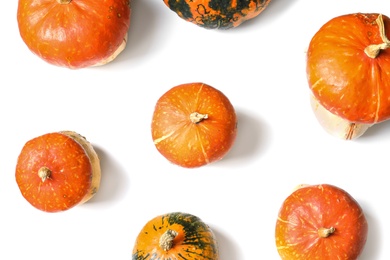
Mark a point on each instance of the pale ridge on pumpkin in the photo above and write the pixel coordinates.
(162, 138)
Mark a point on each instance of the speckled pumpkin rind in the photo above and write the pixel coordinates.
(195, 240)
(313, 208)
(74, 34)
(217, 14)
(74, 171)
(343, 78)
(190, 144)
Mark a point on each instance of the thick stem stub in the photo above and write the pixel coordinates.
(44, 173)
(197, 117)
(325, 232)
(373, 50)
(166, 239)
(64, 2)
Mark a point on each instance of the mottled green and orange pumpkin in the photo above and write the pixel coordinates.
(217, 14)
(176, 235)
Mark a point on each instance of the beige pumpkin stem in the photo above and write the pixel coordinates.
(166, 239)
(64, 2)
(197, 117)
(44, 173)
(325, 232)
(373, 50)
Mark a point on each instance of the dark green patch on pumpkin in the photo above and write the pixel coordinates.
(181, 8)
(193, 228)
(138, 256)
(226, 14)
(215, 22)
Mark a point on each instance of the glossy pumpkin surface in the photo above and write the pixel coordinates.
(176, 235)
(217, 14)
(74, 33)
(57, 171)
(320, 222)
(347, 67)
(194, 124)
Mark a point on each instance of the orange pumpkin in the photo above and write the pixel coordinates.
(57, 171)
(320, 222)
(347, 64)
(217, 14)
(194, 124)
(176, 235)
(74, 33)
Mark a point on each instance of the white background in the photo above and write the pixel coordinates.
(259, 66)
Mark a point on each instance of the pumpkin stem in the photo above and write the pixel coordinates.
(325, 232)
(64, 2)
(44, 173)
(373, 50)
(197, 117)
(166, 239)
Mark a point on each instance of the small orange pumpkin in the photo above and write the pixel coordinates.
(217, 14)
(320, 222)
(74, 33)
(348, 60)
(194, 124)
(176, 235)
(57, 171)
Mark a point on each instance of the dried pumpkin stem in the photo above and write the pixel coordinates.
(64, 2)
(325, 232)
(166, 239)
(197, 117)
(373, 50)
(44, 173)
(351, 130)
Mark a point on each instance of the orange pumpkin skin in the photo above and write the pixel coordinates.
(193, 239)
(57, 171)
(320, 222)
(74, 33)
(342, 76)
(188, 140)
(217, 14)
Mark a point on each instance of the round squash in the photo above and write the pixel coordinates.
(320, 222)
(57, 171)
(217, 14)
(348, 60)
(176, 235)
(74, 33)
(193, 125)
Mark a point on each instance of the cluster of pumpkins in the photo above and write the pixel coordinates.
(347, 99)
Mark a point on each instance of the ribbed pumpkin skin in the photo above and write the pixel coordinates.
(312, 208)
(342, 77)
(195, 240)
(217, 14)
(77, 34)
(193, 144)
(74, 171)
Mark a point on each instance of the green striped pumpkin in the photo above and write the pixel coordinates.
(217, 14)
(176, 235)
